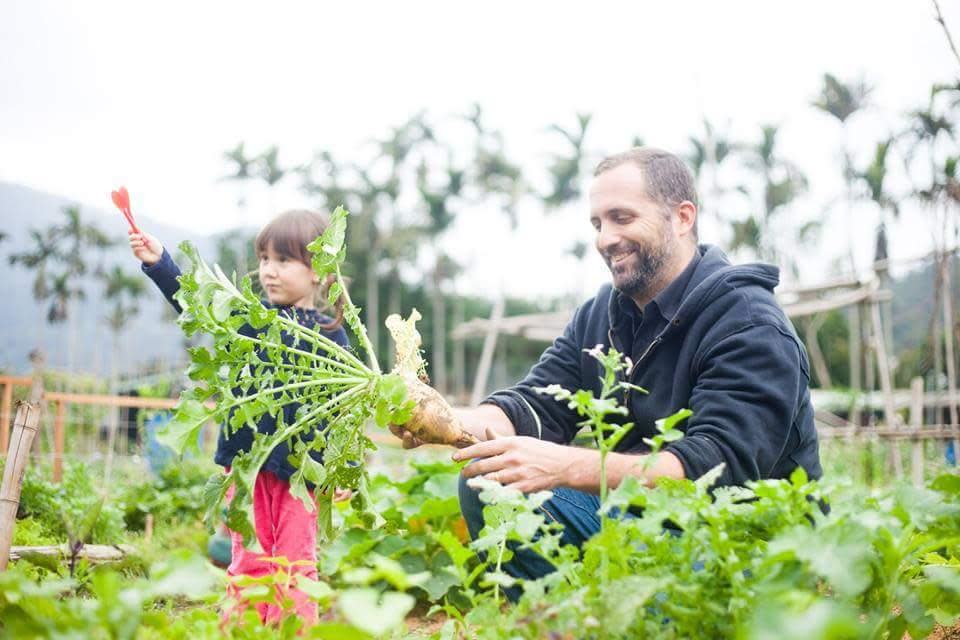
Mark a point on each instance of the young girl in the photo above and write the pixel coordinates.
(283, 526)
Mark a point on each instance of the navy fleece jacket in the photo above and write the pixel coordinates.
(165, 274)
(714, 341)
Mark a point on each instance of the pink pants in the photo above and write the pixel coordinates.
(284, 528)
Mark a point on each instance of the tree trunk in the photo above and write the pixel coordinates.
(816, 355)
(394, 302)
(373, 296)
(936, 339)
(949, 354)
(886, 383)
(113, 419)
(71, 342)
(856, 358)
(459, 353)
(439, 313)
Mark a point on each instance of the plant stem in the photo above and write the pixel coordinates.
(496, 586)
(295, 327)
(364, 340)
(313, 356)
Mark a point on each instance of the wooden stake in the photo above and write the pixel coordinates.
(916, 422)
(59, 421)
(148, 529)
(5, 417)
(948, 347)
(486, 355)
(886, 385)
(25, 429)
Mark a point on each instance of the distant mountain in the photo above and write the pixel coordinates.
(913, 304)
(152, 334)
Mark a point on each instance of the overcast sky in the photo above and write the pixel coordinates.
(97, 94)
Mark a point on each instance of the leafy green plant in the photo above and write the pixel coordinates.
(252, 371)
(55, 506)
(689, 559)
(116, 608)
(174, 496)
(420, 512)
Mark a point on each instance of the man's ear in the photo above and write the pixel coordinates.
(686, 218)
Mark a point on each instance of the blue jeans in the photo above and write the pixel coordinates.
(576, 511)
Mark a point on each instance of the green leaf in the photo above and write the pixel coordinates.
(947, 483)
(184, 429)
(82, 534)
(52, 563)
(316, 590)
(221, 305)
(372, 612)
(945, 577)
(670, 422)
(183, 574)
(328, 250)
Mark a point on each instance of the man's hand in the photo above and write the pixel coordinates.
(521, 462)
(478, 421)
(145, 247)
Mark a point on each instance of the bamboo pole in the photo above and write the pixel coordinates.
(5, 408)
(856, 344)
(91, 552)
(916, 422)
(111, 401)
(25, 430)
(486, 355)
(929, 432)
(948, 347)
(886, 384)
(60, 418)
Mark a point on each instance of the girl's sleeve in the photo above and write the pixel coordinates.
(165, 274)
(340, 337)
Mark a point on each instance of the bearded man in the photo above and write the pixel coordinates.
(701, 334)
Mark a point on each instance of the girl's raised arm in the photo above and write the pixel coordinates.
(157, 264)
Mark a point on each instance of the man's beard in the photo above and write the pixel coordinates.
(642, 268)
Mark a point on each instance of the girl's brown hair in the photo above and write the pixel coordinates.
(288, 234)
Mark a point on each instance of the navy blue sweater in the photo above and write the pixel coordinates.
(165, 274)
(714, 341)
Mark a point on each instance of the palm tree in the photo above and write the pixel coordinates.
(38, 258)
(241, 161)
(58, 257)
(930, 139)
(843, 100)
(492, 173)
(242, 169)
(707, 157)
(872, 179)
(123, 292)
(440, 217)
(268, 167)
(781, 182)
(74, 238)
(566, 169)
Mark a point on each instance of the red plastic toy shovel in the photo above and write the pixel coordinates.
(122, 200)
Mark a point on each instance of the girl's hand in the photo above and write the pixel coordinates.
(339, 495)
(145, 247)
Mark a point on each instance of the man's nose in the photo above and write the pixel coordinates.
(606, 239)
